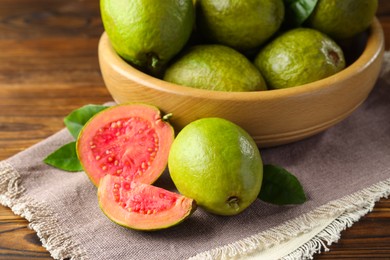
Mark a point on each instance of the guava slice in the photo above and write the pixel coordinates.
(142, 206)
(129, 140)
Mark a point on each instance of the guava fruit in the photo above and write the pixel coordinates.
(342, 19)
(299, 56)
(242, 25)
(196, 68)
(216, 163)
(142, 206)
(129, 140)
(148, 33)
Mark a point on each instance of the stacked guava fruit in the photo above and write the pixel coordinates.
(237, 45)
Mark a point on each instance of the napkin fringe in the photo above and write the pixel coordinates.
(53, 237)
(356, 206)
(347, 211)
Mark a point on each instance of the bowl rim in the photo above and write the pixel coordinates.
(373, 48)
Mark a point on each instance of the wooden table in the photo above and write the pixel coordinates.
(49, 66)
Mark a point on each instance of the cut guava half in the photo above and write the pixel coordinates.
(142, 206)
(129, 140)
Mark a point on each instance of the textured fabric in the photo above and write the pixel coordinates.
(343, 170)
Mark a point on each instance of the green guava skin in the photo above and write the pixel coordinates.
(299, 56)
(196, 68)
(342, 19)
(146, 33)
(242, 25)
(218, 164)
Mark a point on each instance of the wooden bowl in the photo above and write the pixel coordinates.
(272, 117)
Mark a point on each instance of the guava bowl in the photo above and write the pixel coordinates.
(272, 117)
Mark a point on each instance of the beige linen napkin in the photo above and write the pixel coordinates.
(343, 170)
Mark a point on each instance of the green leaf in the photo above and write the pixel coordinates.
(77, 118)
(297, 11)
(65, 158)
(280, 187)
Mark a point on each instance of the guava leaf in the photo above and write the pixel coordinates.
(65, 158)
(77, 118)
(297, 11)
(280, 187)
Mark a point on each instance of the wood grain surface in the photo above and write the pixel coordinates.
(49, 66)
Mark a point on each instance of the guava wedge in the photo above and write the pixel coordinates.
(142, 206)
(129, 140)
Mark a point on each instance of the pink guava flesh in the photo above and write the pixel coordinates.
(142, 206)
(131, 141)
